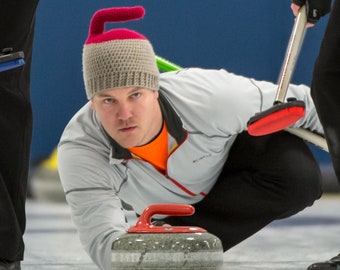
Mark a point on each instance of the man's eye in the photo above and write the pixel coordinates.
(108, 100)
(135, 95)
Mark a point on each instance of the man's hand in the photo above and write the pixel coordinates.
(315, 9)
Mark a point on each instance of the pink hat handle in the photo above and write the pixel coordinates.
(120, 14)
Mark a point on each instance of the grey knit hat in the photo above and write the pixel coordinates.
(119, 57)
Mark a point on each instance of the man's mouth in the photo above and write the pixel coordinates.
(127, 129)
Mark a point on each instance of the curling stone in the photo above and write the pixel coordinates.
(146, 246)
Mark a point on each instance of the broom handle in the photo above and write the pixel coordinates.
(309, 136)
(165, 65)
(292, 53)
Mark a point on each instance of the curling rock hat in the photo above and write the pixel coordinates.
(119, 57)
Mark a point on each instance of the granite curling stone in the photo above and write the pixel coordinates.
(150, 247)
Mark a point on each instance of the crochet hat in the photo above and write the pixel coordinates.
(119, 57)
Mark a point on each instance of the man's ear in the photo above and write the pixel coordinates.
(92, 104)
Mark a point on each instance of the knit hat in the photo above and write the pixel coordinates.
(119, 57)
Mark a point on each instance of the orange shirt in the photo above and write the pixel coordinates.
(155, 152)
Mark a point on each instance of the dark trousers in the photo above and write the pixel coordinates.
(16, 31)
(325, 87)
(264, 179)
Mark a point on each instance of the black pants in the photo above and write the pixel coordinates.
(264, 179)
(16, 31)
(326, 85)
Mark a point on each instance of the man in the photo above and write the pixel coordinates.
(178, 137)
(17, 19)
(326, 95)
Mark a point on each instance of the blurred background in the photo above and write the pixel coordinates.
(245, 37)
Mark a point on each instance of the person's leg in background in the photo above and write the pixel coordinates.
(325, 85)
(265, 178)
(325, 91)
(17, 20)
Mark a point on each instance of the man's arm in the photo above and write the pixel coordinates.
(96, 210)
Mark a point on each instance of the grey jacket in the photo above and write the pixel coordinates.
(204, 111)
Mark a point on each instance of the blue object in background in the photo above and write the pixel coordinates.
(245, 37)
(10, 60)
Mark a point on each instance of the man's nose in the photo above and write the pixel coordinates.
(124, 111)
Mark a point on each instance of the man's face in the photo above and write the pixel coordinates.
(130, 115)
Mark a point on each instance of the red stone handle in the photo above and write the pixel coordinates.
(143, 224)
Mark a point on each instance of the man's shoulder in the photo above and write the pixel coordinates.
(84, 128)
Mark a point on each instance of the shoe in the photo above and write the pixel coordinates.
(9, 265)
(332, 264)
